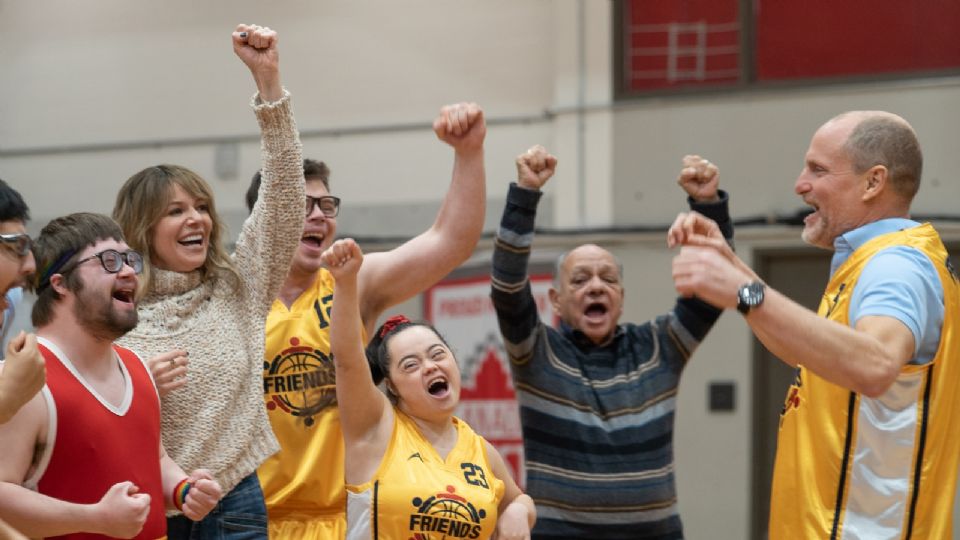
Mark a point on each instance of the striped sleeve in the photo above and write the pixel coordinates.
(510, 284)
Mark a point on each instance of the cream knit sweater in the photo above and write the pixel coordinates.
(217, 420)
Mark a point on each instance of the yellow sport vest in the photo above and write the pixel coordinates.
(850, 466)
(415, 494)
(303, 483)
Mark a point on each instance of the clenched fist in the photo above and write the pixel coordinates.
(23, 375)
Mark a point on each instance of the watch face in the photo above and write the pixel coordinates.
(752, 294)
(749, 296)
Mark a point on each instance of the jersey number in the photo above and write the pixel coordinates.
(474, 475)
(323, 313)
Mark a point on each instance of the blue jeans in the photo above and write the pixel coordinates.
(240, 515)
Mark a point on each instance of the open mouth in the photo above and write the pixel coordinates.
(438, 387)
(596, 310)
(814, 210)
(313, 239)
(123, 295)
(192, 240)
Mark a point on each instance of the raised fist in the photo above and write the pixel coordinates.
(535, 167)
(699, 178)
(257, 47)
(461, 126)
(343, 258)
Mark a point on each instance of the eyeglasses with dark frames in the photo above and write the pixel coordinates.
(19, 243)
(329, 205)
(113, 261)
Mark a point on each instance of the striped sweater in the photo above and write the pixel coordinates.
(597, 420)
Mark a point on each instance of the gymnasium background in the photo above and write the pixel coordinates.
(619, 91)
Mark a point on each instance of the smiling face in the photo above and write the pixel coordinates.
(104, 303)
(423, 373)
(319, 232)
(830, 185)
(14, 269)
(589, 295)
(180, 239)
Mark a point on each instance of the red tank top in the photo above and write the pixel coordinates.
(97, 445)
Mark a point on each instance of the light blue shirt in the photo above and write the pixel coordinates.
(13, 297)
(899, 282)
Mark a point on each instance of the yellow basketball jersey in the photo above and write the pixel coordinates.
(416, 494)
(850, 466)
(303, 483)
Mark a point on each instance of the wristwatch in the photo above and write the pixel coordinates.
(750, 296)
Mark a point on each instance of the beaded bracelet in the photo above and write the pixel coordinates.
(180, 494)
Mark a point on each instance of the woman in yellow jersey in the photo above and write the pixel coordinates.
(412, 469)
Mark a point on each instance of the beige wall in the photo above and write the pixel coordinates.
(154, 76)
(157, 73)
(758, 139)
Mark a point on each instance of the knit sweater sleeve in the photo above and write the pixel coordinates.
(271, 234)
(510, 284)
(697, 316)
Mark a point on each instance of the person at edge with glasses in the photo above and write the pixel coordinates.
(198, 298)
(83, 458)
(304, 482)
(22, 372)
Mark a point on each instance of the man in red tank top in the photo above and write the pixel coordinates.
(83, 459)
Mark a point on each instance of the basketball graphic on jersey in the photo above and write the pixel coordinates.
(300, 381)
(445, 515)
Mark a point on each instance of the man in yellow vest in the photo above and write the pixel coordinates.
(865, 447)
(303, 484)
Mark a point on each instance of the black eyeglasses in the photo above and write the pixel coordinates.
(113, 260)
(329, 205)
(19, 243)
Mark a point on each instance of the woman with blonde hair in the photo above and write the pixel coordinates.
(411, 467)
(200, 301)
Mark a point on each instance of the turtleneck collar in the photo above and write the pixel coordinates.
(169, 283)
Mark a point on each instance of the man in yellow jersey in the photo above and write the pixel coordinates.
(303, 483)
(865, 447)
